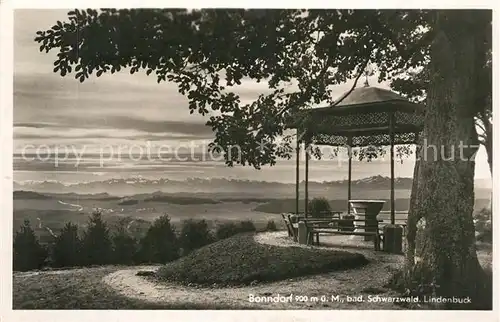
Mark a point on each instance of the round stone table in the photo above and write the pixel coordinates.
(369, 210)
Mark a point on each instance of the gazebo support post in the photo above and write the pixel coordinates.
(391, 132)
(306, 193)
(297, 175)
(349, 176)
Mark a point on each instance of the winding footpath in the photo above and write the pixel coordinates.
(365, 281)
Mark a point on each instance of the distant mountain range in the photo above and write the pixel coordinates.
(126, 187)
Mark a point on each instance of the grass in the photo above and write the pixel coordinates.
(239, 260)
(82, 289)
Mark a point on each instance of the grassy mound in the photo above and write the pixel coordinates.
(239, 260)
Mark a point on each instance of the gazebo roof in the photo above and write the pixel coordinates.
(368, 95)
(364, 117)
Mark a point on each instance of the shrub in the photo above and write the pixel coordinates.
(160, 244)
(482, 220)
(66, 250)
(226, 230)
(194, 234)
(246, 226)
(124, 248)
(27, 252)
(97, 248)
(229, 229)
(271, 226)
(318, 207)
(486, 236)
(124, 243)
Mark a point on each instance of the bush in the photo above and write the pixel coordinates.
(229, 229)
(97, 248)
(486, 236)
(319, 207)
(271, 226)
(194, 234)
(160, 244)
(27, 252)
(226, 230)
(66, 250)
(124, 248)
(482, 221)
(247, 226)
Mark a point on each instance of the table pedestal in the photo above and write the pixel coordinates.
(369, 210)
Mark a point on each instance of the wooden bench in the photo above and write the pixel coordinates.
(292, 228)
(334, 227)
(288, 225)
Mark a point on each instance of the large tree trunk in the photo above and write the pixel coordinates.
(445, 187)
(413, 215)
(488, 144)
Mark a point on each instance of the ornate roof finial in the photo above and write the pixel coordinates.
(367, 73)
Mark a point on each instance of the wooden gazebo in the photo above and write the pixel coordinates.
(367, 116)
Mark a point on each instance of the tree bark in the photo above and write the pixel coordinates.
(488, 144)
(445, 176)
(413, 215)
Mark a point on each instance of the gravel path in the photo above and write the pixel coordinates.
(364, 281)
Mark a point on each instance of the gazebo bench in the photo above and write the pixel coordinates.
(292, 227)
(288, 225)
(313, 232)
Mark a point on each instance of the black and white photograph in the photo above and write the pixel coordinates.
(251, 159)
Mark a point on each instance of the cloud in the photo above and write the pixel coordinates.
(36, 131)
(120, 127)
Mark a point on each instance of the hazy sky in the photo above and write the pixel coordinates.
(122, 107)
(115, 109)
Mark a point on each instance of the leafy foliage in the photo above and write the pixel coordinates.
(271, 226)
(246, 226)
(208, 53)
(28, 253)
(483, 225)
(319, 207)
(97, 245)
(194, 234)
(67, 248)
(226, 230)
(415, 82)
(124, 248)
(160, 245)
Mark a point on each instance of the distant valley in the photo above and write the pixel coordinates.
(51, 205)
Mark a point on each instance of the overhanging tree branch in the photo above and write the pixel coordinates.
(406, 54)
(360, 73)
